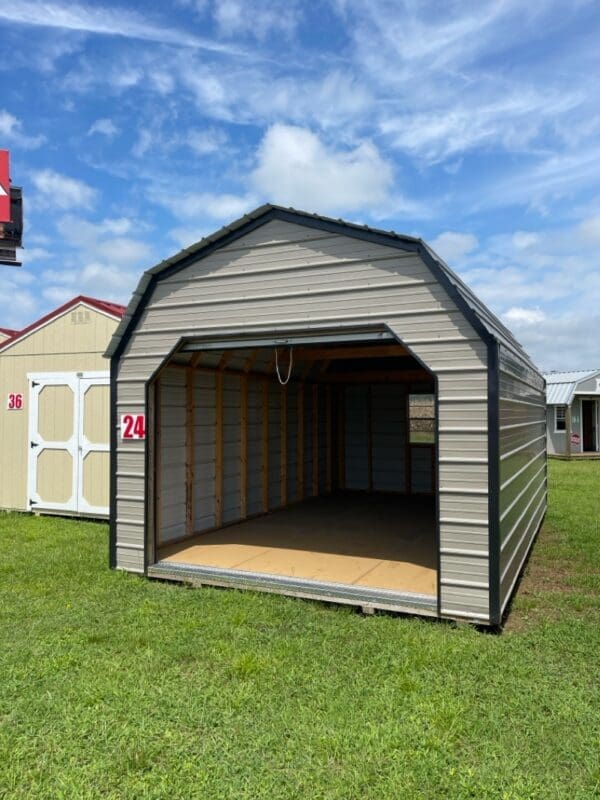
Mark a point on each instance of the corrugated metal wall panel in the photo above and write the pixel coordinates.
(465, 601)
(464, 570)
(523, 479)
(130, 560)
(469, 477)
(461, 538)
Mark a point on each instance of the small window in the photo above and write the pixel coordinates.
(421, 418)
(559, 418)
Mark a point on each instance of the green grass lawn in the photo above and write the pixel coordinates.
(112, 686)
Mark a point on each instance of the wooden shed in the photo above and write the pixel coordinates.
(54, 419)
(311, 407)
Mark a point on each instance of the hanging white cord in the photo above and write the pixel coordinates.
(289, 375)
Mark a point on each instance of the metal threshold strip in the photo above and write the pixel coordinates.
(298, 587)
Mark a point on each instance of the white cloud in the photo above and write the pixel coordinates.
(105, 127)
(546, 180)
(100, 260)
(34, 254)
(590, 229)
(23, 304)
(258, 18)
(185, 237)
(294, 167)
(207, 141)
(104, 20)
(511, 123)
(545, 286)
(105, 240)
(62, 192)
(259, 94)
(11, 129)
(524, 316)
(523, 240)
(453, 246)
(198, 205)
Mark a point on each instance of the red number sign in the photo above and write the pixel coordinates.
(133, 426)
(14, 402)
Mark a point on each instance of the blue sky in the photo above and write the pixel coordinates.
(135, 129)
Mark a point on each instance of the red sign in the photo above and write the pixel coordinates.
(133, 426)
(14, 401)
(4, 187)
(575, 438)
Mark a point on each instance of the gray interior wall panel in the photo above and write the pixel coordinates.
(254, 419)
(308, 441)
(356, 421)
(204, 447)
(421, 469)
(389, 437)
(274, 446)
(172, 455)
(322, 440)
(523, 477)
(292, 443)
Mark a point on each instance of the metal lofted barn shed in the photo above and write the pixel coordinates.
(402, 467)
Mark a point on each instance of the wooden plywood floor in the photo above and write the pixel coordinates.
(378, 541)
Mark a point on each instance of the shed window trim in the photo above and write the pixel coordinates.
(560, 419)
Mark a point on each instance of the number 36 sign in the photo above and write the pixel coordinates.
(133, 426)
(14, 401)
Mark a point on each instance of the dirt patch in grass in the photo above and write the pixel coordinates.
(545, 579)
(554, 585)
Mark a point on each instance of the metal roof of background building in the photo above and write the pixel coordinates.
(561, 386)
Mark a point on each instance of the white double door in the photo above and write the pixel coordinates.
(69, 449)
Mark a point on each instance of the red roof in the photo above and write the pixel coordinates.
(8, 331)
(114, 309)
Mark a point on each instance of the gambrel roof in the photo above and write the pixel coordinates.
(482, 319)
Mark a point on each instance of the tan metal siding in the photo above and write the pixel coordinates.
(523, 485)
(298, 277)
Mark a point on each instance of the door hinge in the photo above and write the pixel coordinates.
(34, 383)
(33, 444)
(33, 502)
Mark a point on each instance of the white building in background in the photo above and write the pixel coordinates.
(573, 415)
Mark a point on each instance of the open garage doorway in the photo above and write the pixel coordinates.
(302, 467)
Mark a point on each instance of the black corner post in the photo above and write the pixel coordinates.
(494, 543)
